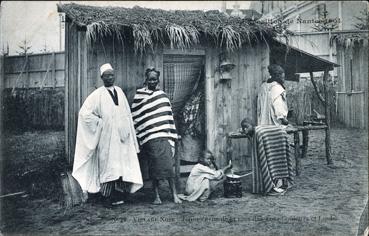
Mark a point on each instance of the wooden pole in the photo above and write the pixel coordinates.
(27, 74)
(2, 75)
(296, 137)
(327, 118)
(53, 58)
(305, 143)
(177, 165)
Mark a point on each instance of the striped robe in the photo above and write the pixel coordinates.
(271, 159)
(153, 116)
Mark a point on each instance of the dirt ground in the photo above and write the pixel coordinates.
(324, 201)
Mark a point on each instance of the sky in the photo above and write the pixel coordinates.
(38, 22)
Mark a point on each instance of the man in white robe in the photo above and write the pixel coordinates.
(106, 145)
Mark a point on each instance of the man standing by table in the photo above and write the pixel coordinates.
(106, 147)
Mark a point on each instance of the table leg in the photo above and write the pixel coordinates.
(297, 152)
(305, 142)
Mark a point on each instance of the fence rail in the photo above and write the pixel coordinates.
(34, 71)
(33, 92)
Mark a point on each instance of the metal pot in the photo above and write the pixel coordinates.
(232, 186)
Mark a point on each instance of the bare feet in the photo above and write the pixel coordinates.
(176, 199)
(157, 201)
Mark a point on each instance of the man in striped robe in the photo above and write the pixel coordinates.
(156, 131)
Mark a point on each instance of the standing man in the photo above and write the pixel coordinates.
(156, 131)
(105, 158)
(272, 104)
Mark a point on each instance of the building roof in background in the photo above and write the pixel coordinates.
(295, 60)
(181, 29)
(250, 14)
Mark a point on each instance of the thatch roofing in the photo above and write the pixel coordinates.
(180, 29)
(348, 40)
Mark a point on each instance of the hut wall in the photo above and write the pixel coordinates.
(227, 105)
(352, 95)
(71, 88)
(82, 74)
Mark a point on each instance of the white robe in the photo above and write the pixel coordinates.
(272, 104)
(106, 144)
(198, 183)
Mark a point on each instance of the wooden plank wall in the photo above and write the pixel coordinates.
(129, 68)
(71, 88)
(227, 106)
(35, 73)
(352, 92)
(316, 43)
(352, 109)
(83, 73)
(1, 103)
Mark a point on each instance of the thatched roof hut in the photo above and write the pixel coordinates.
(188, 48)
(179, 29)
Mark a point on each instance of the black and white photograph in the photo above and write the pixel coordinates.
(184, 118)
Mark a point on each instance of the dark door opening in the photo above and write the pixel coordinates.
(183, 82)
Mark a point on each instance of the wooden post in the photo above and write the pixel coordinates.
(27, 73)
(305, 142)
(54, 68)
(327, 118)
(229, 149)
(177, 165)
(210, 100)
(2, 75)
(296, 138)
(66, 94)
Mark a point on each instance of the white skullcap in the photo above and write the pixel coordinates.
(104, 68)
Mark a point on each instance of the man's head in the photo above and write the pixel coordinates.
(277, 73)
(107, 75)
(152, 78)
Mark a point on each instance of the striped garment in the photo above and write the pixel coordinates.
(271, 159)
(153, 116)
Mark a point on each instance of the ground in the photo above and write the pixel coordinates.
(326, 200)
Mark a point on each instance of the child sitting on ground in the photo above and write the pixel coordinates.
(204, 178)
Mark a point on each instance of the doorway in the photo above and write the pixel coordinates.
(184, 83)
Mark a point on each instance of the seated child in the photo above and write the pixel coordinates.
(204, 178)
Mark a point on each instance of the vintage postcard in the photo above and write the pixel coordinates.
(184, 117)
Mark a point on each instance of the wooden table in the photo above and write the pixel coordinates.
(300, 150)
